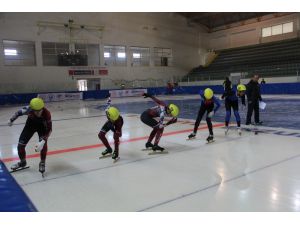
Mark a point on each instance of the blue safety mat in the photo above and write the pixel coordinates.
(12, 197)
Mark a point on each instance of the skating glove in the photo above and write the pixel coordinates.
(39, 146)
(211, 114)
(9, 123)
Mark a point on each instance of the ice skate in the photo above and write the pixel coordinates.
(42, 167)
(148, 146)
(19, 166)
(115, 156)
(226, 130)
(239, 130)
(210, 139)
(106, 153)
(192, 136)
(157, 150)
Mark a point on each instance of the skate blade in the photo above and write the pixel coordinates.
(146, 149)
(209, 142)
(116, 160)
(105, 156)
(23, 168)
(191, 139)
(158, 152)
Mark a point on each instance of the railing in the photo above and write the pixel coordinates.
(128, 84)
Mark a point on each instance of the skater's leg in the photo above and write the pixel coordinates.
(148, 120)
(106, 127)
(208, 120)
(210, 127)
(117, 129)
(102, 137)
(209, 124)
(21, 152)
(42, 132)
(227, 117)
(237, 118)
(25, 136)
(152, 134)
(199, 117)
(228, 112)
(44, 152)
(256, 111)
(117, 136)
(235, 107)
(158, 135)
(249, 113)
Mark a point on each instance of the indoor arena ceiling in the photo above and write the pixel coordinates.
(211, 20)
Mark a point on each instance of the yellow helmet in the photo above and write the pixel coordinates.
(241, 87)
(174, 110)
(36, 104)
(208, 93)
(113, 113)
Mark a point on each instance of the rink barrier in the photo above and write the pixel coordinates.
(12, 196)
(274, 88)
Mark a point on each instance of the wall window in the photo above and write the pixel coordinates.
(92, 52)
(277, 29)
(140, 56)
(287, 27)
(51, 50)
(115, 55)
(266, 32)
(19, 53)
(163, 56)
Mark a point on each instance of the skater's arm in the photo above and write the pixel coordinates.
(218, 104)
(108, 102)
(161, 116)
(24, 111)
(159, 102)
(224, 95)
(173, 120)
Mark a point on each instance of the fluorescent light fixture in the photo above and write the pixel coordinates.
(136, 55)
(10, 51)
(106, 54)
(121, 55)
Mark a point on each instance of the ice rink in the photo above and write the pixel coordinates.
(234, 173)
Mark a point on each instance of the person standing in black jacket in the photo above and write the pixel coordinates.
(253, 96)
(227, 85)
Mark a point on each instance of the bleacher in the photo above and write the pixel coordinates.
(274, 59)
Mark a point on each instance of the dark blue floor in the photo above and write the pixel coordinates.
(283, 113)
